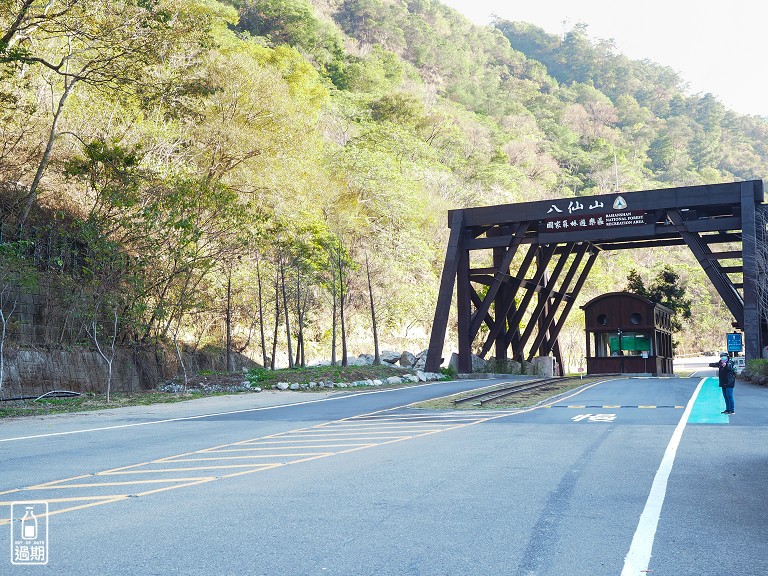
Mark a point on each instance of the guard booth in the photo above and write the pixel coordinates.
(628, 334)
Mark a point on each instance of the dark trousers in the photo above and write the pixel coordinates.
(728, 396)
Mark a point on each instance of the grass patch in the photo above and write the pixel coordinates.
(684, 373)
(198, 387)
(90, 402)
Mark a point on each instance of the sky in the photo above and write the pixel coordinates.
(715, 48)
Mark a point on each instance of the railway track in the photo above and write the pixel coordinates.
(510, 390)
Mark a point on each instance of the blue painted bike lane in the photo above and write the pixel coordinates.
(709, 405)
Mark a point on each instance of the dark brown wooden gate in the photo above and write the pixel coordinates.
(532, 259)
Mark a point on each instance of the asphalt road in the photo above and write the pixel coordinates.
(623, 477)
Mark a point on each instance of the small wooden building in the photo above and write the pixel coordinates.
(628, 334)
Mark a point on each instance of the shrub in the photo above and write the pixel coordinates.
(450, 372)
(256, 375)
(758, 366)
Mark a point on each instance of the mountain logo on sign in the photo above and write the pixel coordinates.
(619, 203)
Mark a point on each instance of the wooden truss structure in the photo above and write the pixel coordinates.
(541, 253)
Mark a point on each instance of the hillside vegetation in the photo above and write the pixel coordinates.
(189, 170)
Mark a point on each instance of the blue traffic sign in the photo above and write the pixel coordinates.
(734, 342)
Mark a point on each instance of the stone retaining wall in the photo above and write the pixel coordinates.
(31, 371)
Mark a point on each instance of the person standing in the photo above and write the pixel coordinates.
(726, 374)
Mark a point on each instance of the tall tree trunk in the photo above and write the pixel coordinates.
(376, 355)
(277, 320)
(333, 322)
(287, 316)
(342, 297)
(230, 367)
(179, 355)
(31, 196)
(300, 319)
(302, 315)
(261, 315)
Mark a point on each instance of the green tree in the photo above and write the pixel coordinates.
(665, 289)
(107, 46)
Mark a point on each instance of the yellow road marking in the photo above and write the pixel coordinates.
(73, 499)
(268, 455)
(125, 483)
(383, 424)
(304, 440)
(278, 447)
(73, 508)
(52, 482)
(163, 470)
(343, 436)
(234, 458)
(338, 430)
(148, 492)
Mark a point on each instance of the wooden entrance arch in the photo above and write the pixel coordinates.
(542, 253)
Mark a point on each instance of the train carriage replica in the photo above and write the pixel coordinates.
(628, 334)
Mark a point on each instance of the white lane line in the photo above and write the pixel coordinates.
(199, 416)
(639, 556)
(246, 410)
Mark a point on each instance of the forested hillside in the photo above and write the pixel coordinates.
(195, 171)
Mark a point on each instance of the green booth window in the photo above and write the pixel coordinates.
(632, 344)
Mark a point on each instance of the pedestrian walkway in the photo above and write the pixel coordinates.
(751, 405)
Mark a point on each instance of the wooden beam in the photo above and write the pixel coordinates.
(713, 224)
(445, 294)
(503, 270)
(481, 279)
(752, 329)
(722, 238)
(731, 298)
(543, 300)
(638, 244)
(599, 234)
(477, 301)
(464, 312)
(502, 315)
(576, 290)
(541, 269)
(489, 242)
(662, 240)
(562, 295)
(500, 303)
(728, 255)
(673, 198)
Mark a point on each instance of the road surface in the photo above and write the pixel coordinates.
(625, 476)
